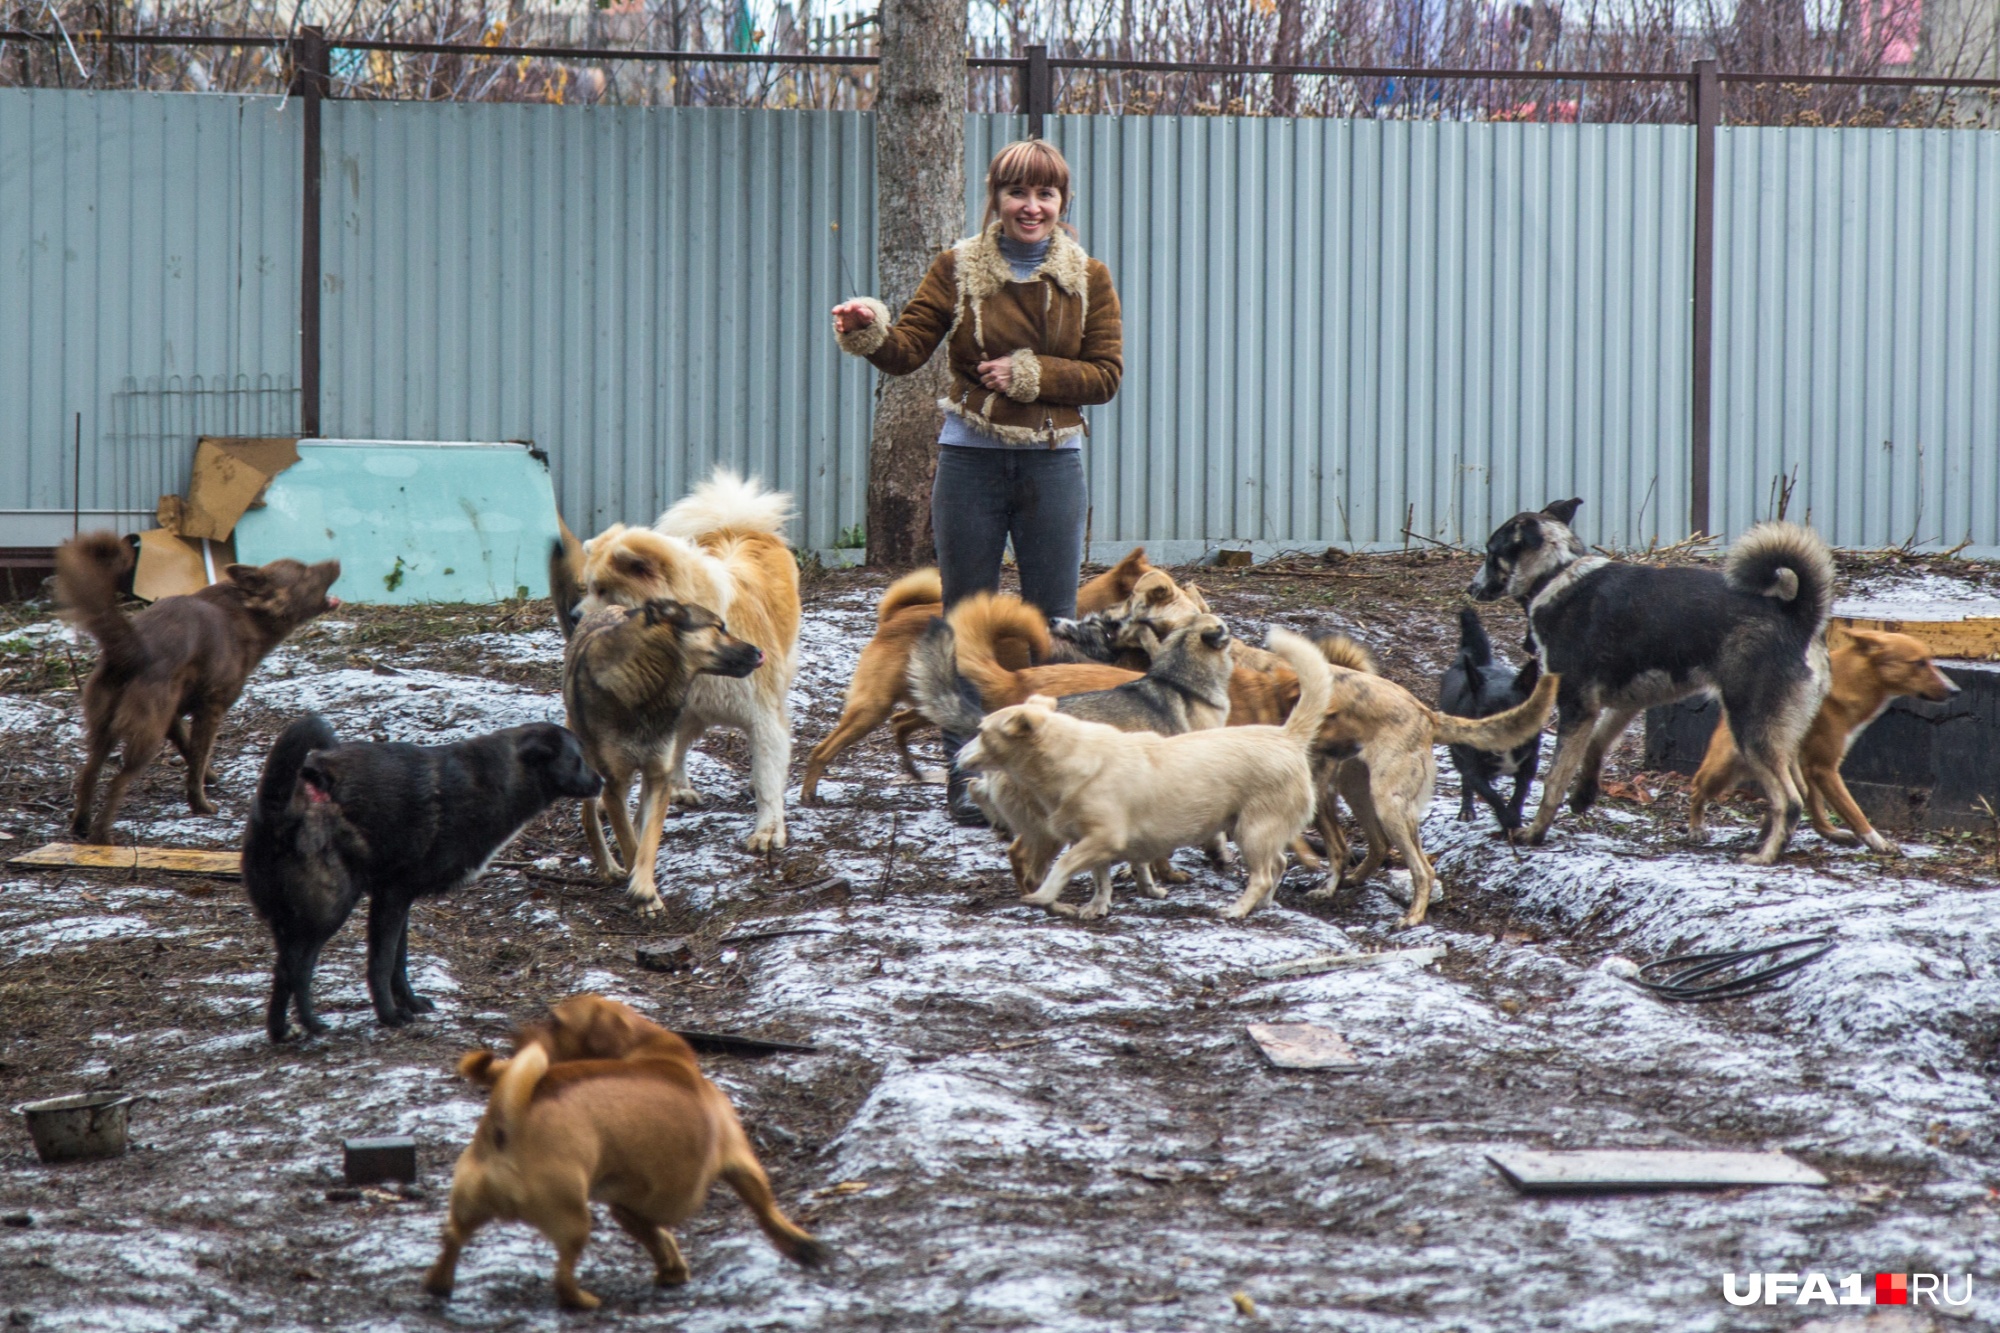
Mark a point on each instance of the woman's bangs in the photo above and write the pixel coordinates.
(1032, 165)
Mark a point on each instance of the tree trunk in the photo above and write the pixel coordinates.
(1285, 51)
(919, 210)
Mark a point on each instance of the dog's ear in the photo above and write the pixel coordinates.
(542, 745)
(1194, 594)
(633, 565)
(665, 611)
(251, 578)
(1563, 511)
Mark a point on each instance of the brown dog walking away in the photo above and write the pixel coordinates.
(641, 1130)
(905, 611)
(1869, 669)
(171, 672)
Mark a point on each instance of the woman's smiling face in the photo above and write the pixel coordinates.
(1028, 213)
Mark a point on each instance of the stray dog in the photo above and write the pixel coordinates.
(1185, 689)
(181, 658)
(1135, 796)
(901, 617)
(984, 624)
(1474, 686)
(1375, 748)
(1627, 637)
(721, 548)
(1869, 669)
(626, 679)
(644, 1132)
(394, 822)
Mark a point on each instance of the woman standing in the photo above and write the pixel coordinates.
(1032, 333)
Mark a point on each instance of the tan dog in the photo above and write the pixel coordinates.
(1166, 606)
(987, 625)
(182, 657)
(627, 675)
(1135, 796)
(1869, 669)
(721, 548)
(647, 1134)
(905, 611)
(1374, 747)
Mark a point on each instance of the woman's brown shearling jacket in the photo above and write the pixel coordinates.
(1060, 328)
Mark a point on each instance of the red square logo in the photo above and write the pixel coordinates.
(1892, 1288)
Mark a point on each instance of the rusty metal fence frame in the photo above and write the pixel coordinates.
(309, 51)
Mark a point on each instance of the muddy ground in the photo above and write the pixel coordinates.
(1013, 1121)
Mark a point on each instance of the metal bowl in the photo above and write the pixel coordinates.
(78, 1128)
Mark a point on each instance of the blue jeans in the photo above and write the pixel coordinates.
(983, 496)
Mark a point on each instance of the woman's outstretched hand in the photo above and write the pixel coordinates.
(996, 375)
(851, 315)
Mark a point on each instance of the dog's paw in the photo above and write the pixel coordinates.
(646, 904)
(573, 1297)
(1408, 919)
(764, 841)
(201, 805)
(439, 1284)
(417, 1004)
(680, 793)
(1323, 892)
(1882, 846)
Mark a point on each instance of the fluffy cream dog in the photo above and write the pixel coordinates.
(721, 548)
(1136, 796)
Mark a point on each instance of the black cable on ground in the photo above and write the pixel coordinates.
(1686, 977)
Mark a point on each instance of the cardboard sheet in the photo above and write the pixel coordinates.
(1648, 1168)
(170, 565)
(1303, 1046)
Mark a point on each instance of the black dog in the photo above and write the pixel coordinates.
(1627, 637)
(396, 823)
(1475, 687)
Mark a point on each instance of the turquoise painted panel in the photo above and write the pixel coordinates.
(411, 522)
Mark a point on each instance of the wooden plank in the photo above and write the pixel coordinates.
(1974, 639)
(1647, 1169)
(171, 860)
(1303, 1046)
(1327, 962)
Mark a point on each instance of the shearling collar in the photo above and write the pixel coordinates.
(983, 271)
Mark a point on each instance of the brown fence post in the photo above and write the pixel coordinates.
(310, 82)
(1706, 90)
(1037, 89)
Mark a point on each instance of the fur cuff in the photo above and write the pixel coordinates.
(1025, 386)
(867, 341)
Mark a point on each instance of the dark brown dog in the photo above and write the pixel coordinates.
(181, 658)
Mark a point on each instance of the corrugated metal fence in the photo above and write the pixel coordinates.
(1332, 327)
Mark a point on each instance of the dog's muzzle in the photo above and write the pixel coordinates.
(1484, 588)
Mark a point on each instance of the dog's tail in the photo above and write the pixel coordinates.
(566, 577)
(726, 503)
(1474, 648)
(281, 767)
(916, 588)
(514, 1089)
(936, 689)
(1341, 651)
(1315, 684)
(987, 623)
(87, 572)
(1790, 565)
(1502, 731)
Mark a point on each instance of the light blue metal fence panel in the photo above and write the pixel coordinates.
(641, 292)
(1334, 327)
(1857, 340)
(148, 281)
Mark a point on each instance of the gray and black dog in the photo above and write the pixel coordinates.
(1475, 685)
(1185, 689)
(333, 823)
(1627, 637)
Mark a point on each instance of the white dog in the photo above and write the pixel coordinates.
(1136, 796)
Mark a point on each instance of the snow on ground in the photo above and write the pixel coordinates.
(1062, 1126)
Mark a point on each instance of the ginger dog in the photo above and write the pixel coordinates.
(1136, 796)
(646, 1134)
(721, 548)
(1869, 669)
(905, 611)
(1374, 747)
